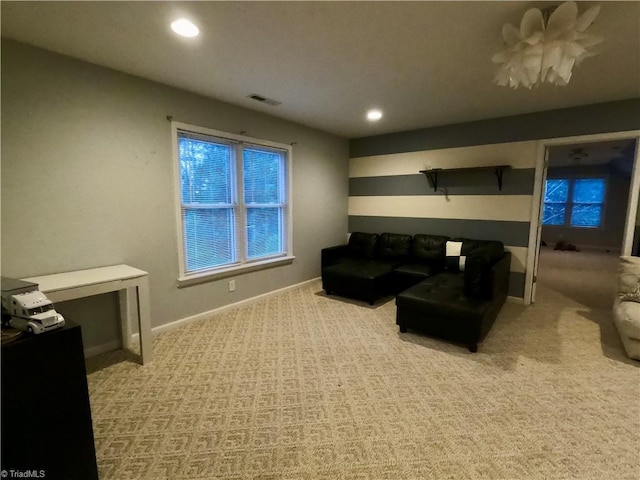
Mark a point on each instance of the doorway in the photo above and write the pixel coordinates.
(570, 222)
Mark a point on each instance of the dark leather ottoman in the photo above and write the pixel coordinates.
(366, 272)
(439, 307)
(362, 279)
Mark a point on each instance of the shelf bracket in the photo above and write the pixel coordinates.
(432, 176)
(432, 173)
(499, 171)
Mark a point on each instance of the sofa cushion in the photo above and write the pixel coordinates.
(442, 296)
(478, 272)
(493, 249)
(418, 270)
(362, 245)
(626, 316)
(633, 296)
(629, 273)
(428, 248)
(477, 275)
(393, 246)
(359, 269)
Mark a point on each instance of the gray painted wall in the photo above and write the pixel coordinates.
(87, 181)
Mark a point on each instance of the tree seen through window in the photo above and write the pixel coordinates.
(574, 202)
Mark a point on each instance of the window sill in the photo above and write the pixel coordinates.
(231, 271)
(572, 227)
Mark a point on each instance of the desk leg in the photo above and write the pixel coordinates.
(144, 321)
(124, 298)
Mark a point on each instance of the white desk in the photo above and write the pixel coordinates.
(124, 279)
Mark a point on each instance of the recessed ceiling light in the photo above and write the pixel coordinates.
(185, 28)
(374, 115)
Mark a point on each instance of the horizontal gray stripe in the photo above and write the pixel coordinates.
(516, 284)
(450, 182)
(509, 233)
(616, 116)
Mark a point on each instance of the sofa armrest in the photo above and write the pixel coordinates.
(332, 255)
(501, 270)
(485, 277)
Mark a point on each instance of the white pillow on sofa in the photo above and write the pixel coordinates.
(454, 260)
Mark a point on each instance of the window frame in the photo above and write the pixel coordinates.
(569, 204)
(243, 264)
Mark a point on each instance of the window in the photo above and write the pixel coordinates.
(234, 207)
(574, 202)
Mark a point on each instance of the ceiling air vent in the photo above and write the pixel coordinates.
(262, 99)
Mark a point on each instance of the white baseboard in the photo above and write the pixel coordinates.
(595, 248)
(105, 347)
(115, 344)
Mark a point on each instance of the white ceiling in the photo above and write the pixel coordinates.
(595, 153)
(423, 63)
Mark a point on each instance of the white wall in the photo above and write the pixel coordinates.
(87, 182)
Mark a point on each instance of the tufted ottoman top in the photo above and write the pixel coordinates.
(442, 296)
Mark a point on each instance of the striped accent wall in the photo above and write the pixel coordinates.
(388, 194)
(618, 116)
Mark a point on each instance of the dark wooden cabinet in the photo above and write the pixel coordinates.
(46, 415)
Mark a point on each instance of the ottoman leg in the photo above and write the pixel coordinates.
(473, 347)
(403, 328)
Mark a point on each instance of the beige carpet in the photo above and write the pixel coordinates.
(301, 386)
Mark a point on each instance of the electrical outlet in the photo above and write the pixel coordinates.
(232, 285)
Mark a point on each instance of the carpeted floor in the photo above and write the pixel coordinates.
(302, 386)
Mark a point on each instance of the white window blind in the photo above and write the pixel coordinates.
(264, 198)
(233, 202)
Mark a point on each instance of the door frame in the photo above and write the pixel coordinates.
(535, 230)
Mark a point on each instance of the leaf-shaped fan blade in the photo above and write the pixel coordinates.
(552, 57)
(564, 69)
(587, 18)
(510, 34)
(574, 50)
(501, 57)
(585, 55)
(562, 18)
(537, 50)
(590, 40)
(534, 39)
(531, 23)
(532, 62)
(532, 76)
(502, 78)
